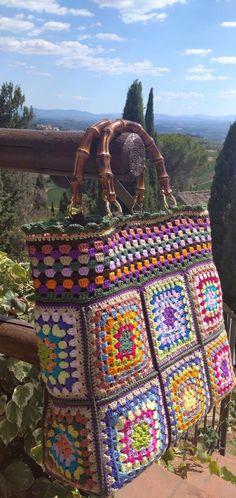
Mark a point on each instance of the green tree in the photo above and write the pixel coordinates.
(149, 115)
(52, 209)
(227, 263)
(40, 182)
(63, 204)
(16, 188)
(186, 161)
(133, 110)
(221, 193)
(152, 195)
(13, 112)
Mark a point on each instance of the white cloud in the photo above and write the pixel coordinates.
(224, 59)
(24, 16)
(75, 54)
(113, 66)
(109, 36)
(49, 6)
(228, 94)
(15, 24)
(205, 77)
(139, 10)
(169, 96)
(131, 17)
(80, 97)
(21, 64)
(201, 73)
(28, 68)
(51, 26)
(200, 69)
(198, 51)
(56, 26)
(229, 24)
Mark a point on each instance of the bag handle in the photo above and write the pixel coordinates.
(107, 130)
(82, 154)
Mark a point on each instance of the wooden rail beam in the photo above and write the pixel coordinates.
(18, 340)
(53, 152)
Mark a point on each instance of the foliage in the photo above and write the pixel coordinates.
(63, 204)
(149, 115)
(16, 290)
(194, 458)
(227, 266)
(221, 196)
(133, 109)
(22, 474)
(20, 202)
(13, 112)
(186, 161)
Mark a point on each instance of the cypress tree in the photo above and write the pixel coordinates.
(149, 115)
(133, 110)
(228, 267)
(63, 204)
(221, 194)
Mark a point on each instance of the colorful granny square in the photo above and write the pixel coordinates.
(60, 350)
(220, 367)
(187, 392)
(134, 433)
(69, 447)
(119, 343)
(206, 292)
(169, 315)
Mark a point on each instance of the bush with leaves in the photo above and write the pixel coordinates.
(22, 474)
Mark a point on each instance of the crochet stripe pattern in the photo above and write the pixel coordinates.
(131, 341)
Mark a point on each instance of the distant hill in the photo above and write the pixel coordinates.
(213, 128)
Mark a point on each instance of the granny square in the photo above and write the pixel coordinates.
(118, 341)
(170, 319)
(220, 367)
(206, 292)
(187, 392)
(134, 433)
(60, 350)
(69, 446)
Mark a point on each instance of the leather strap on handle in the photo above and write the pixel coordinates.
(107, 130)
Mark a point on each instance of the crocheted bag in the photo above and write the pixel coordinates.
(131, 338)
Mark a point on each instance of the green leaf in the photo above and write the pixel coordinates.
(227, 475)
(22, 394)
(3, 402)
(19, 475)
(31, 417)
(5, 488)
(43, 488)
(33, 439)
(20, 369)
(37, 454)
(8, 431)
(3, 365)
(170, 466)
(14, 413)
(168, 455)
(202, 454)
(214, 468)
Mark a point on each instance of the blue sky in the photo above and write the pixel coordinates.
(84, 54)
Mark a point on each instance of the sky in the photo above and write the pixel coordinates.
(84, 54)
